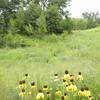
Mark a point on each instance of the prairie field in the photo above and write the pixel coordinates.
(77, 52)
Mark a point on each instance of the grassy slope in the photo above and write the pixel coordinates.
(79, 52)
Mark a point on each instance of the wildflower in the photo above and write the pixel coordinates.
(71, 81)
(33, 86)
(72, 77)
(56, 78)
(26, 75)
(66, 75)
(45, 88)
(90, 98)
(80, 76)
(65, 96)
(40, 95)
(20, 84)
(22, 93)
(65, 82)
(58, 93)
(71, 87)
(87, 92)
(62, 98)
(48, 94)
(81, 92)
(24, 83)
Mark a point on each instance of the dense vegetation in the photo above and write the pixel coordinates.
(32, 17)
(88, 20)
(38, 18)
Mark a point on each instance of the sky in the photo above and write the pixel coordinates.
(77, 7)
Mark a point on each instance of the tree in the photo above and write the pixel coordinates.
(8, 10)
(1, 25)
(92, 19)
(39, 16)
(41, 22)
(53, 20)
(79, 23)
(61, 4)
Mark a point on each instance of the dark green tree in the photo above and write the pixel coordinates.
(53, 20)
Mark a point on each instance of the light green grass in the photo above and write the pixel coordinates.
(80, 51)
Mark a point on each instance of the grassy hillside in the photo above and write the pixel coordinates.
(78, 52)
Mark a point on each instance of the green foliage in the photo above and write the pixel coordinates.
(41, 22)
(1, 25)
(61, 4)
(12, 27)
(15, 40)
(64, 35)
(29, 29)
(79, 23)
(53, 37)
(92, 19)
(53, 19)
(33, 18)
(67, 25)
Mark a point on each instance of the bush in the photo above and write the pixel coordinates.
(64, 34)
(79, 23)
(13, 41)
(54, 20)
(53, 37)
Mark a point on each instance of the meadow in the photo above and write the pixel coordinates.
(77, 52)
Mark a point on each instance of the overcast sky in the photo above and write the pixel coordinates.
(78, 6)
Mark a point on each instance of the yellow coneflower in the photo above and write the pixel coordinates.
(62, 98)
(72, 77)
(65, 82)
(40, 95)
(71, 81)
(56, 78)
(20, 84)
(66, 75)
(22, 93)
(65, 96)
(33, 86)
(58, 93)
(87, 92)
(81, 92)
(26, 75)
(48, 94)
(80, 76)
(90, 98)
(71, 87)
(45, 88)
(24, 83)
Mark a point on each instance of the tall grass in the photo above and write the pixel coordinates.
(77, 52)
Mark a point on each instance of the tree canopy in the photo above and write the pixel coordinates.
(32, 17)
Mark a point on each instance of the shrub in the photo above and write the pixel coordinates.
(64, 34)
(13, 41)
(79, 23)
(53, 37)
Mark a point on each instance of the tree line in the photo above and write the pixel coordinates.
(88, 20)
(20, 19)
(34, 17)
